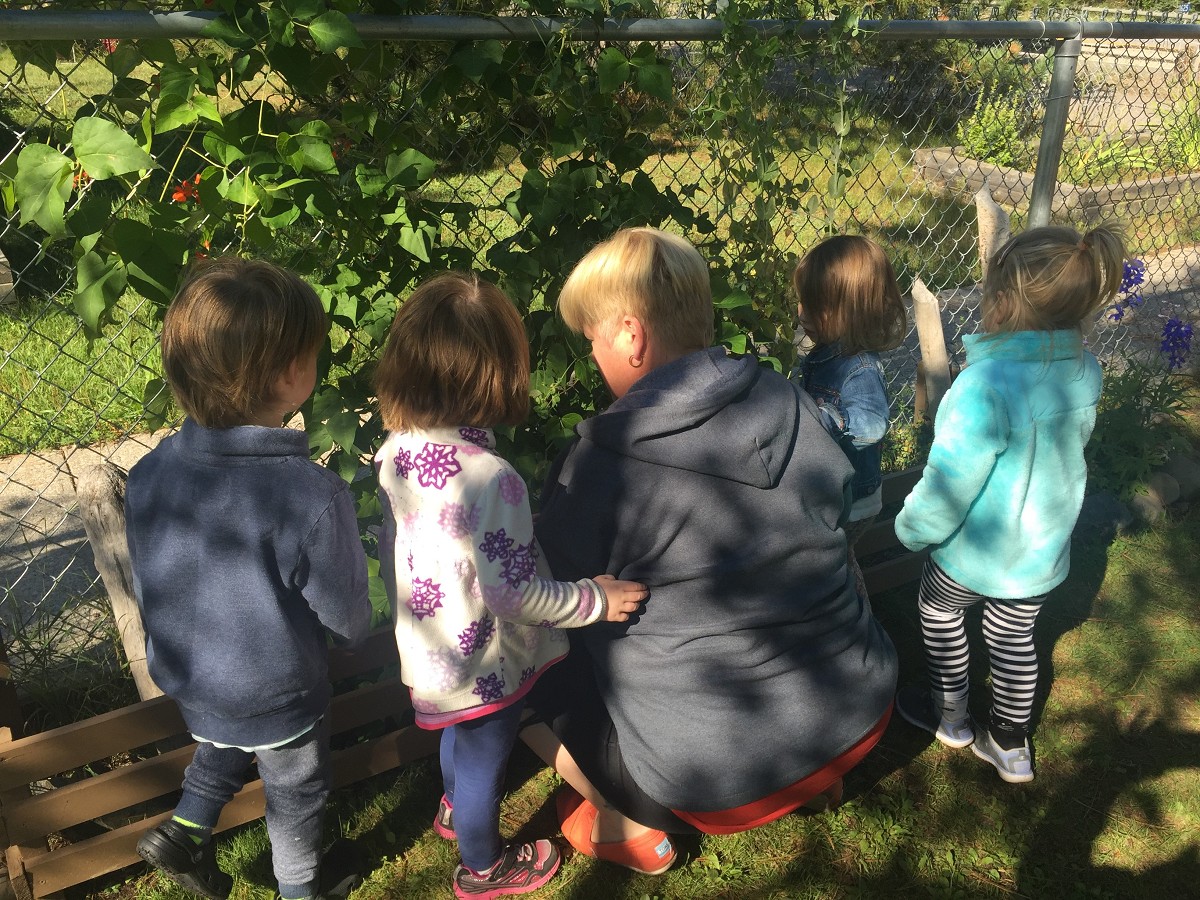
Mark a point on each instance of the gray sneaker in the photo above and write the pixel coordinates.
(915, 704)
(1015, 766)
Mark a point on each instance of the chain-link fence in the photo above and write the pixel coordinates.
(919, 119)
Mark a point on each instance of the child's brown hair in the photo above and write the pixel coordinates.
(456, 354)
(1051, 278)
(848, 292)
(232, 330)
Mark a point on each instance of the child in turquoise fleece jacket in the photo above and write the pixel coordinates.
(1004, 483)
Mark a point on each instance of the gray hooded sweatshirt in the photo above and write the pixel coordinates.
(754, 662)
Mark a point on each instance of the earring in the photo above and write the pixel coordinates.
(635, 363)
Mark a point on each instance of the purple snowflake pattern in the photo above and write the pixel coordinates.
(426, 597)
(587, 601)
(410, 564)
(428, 707)
(476, 436)
(526, 674)
(489, 689)
(496, 545)
(462, 567)
(453, 520)
(520, 565)
(472, 518)
(436, 464)
(404, 463)
(503, 600)
(476, 636)
(445, 670)
(546, 623)
(512, 488)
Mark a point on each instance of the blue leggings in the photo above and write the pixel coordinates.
(474, 757)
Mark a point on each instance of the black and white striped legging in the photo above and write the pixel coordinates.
(1008, 631)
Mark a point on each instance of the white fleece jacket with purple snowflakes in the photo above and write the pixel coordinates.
(477, 617)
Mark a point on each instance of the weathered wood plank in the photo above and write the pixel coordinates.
(55, 871)
(30, 819)
(50, 752)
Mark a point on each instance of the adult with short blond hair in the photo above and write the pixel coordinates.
(756, 675)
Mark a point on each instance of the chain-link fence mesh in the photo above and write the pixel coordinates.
(927, 124)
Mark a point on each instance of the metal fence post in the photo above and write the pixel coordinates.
(1054, 127)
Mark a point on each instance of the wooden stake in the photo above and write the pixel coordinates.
(101, 494)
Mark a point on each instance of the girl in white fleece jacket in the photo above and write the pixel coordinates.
(477, 619)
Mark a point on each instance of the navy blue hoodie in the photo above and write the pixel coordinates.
(244, 554)
(754, 662)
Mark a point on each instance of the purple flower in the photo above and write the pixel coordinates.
(512, 488)
(453, 520)
(1176, 342)
(489, 689)
(476, 436)
(503, 600)
(476, 636)
(1133, 274)
(403, 463)
(520, 565)
(496, 545)
(426, 597)
(435, 464)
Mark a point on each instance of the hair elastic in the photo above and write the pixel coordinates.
(1085, 244)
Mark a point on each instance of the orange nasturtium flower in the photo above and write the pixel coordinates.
(188, 189)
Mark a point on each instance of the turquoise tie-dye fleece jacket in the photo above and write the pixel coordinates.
(1005, 479)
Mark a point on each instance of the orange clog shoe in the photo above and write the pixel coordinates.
(651, 853)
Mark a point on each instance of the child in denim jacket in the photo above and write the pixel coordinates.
(850, 307)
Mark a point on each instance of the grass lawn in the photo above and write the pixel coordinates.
(1114, 812)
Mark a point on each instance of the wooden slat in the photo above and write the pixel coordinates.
(50, 752)
(880, 536)
(896, 485)
(30, 819)
(41, 755)
(55, 871)
(895, 572)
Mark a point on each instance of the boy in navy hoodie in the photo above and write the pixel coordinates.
(245, 554)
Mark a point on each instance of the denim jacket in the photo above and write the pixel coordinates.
(849, 392)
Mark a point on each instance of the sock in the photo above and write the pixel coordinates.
(198, 833)
(297, 891)
(953, 707)
(1007, 735)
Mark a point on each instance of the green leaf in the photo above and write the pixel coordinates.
(104, 149)
(734, 300)
(42, 186)
(410, 169)
(332, 31)
(414, 242)
(305, 151)
(99, 284)
(230, 32)
(613, 70)
(152, 258)
(303, 10)
(343, 428)
(156, 402)
(656, 81)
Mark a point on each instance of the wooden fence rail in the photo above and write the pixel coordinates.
(152, 733)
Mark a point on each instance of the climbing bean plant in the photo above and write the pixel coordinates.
(282, 134)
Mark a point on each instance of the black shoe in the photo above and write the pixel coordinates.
(342, 866)
(170, 847)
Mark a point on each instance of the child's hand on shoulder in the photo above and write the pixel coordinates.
(623, 597)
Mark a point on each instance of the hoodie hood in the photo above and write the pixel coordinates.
(699, 414)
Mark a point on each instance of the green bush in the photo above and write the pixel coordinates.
(998, 130)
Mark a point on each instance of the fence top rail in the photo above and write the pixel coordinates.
(35, 25)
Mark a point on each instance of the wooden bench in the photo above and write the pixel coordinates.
(375, 694)
(27, 819)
